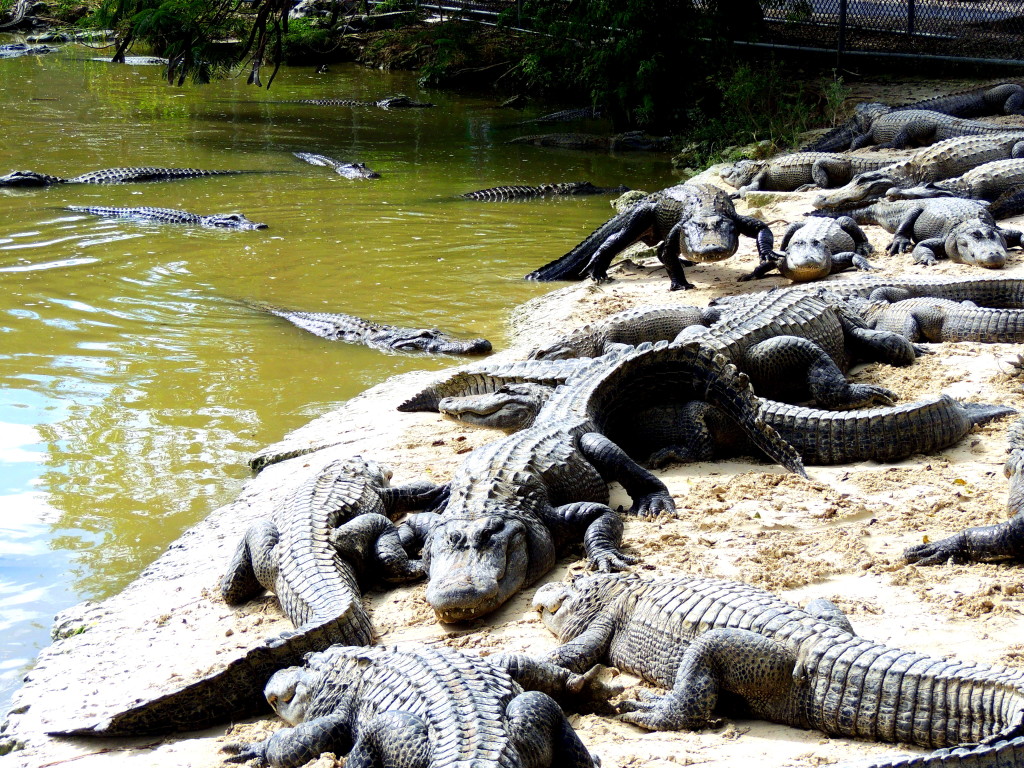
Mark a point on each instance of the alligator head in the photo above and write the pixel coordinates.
(475, 565)
(288, 693)
(917, 193)
(357, 171)
(977, 242)
(27, 179)
(865, 114)
(742, 172)
(232, 221)
(401, 101)
(430, 340)
(807, 257)
(513, 407)
(863, 188)
(566, 608)
(708, 238)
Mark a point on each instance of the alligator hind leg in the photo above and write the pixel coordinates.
(827, 611)
(649, 494)
(739, 661)
(796, 359)
(542, 736)
(370, 542)
(254, 565)
(639, 221)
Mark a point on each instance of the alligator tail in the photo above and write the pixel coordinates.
(1010, 203)
(982, 413)
(573, 265)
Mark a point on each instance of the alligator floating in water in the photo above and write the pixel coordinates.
(522, 192)
(960, 230)
(348, 170)
(714, 642)
(697, 222)
(815, 248)
(515, 502)
(13, 50)
(110, 176)
(632, 141)
(388, 102)
(388, 338)
(565, 116)
(419, 707)
(171, 216)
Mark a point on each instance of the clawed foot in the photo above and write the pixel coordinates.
(652, 505)
(866, 395)
(899, 245)
(612, 561)
(242, 753)
(936, 552)
(591, 688)
(1016, 366)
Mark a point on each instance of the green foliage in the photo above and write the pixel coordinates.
(306, 38)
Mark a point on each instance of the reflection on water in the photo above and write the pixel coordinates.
(134, 378)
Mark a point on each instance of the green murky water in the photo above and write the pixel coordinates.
(133, 381)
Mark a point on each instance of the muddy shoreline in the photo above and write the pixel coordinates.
(838, 534)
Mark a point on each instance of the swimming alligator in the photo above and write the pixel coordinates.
(514, 502)
(388, 338)
(697, 222)
(722, 643)
(419, 707)
(388, 102)
(171, 216)
(697, 431)
(817, 247)
(960, 230)
(631, 141)
(793, 171)
(986, 543)
(348, 170)
(565, 116)
(944, 160)
(522, 192)
(999, 99)
(13, 50)
(109, 176)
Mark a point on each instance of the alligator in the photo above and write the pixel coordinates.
(1000, 99)
(722, 643)
(938, 320)
(321, 541)
(312, 551)
(940, 161)
(110, 176)
(514, 502)
(388, 102)
(348, 170)
(986, 543)
(920, 127)
(631, 141)
(983, 290)
(521, 192)
(697, 222)
(13, 50)
(817, 247)
(135, 61)
(565, 116)
(961, 230)
(988, 181)
(798, 170)
(418, 707)
(171, 216)
(697, 431)
(387, 338)
(16, 14)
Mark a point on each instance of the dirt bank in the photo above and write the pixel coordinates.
(838, 535)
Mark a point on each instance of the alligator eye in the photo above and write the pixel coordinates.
(287, 696)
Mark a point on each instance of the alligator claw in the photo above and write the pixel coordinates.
(653, 505)
(864, 395)
(920, 349)
(609, 562)
(950, 549)
(1016, 366)
(591, 687)
(899, 245)
(243, 753)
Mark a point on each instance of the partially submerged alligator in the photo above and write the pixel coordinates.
(632, 141)
(697, 431)
(720, 643)
(793, 171)
(515, 502)
(817, 247)
(960, 230)
(13, 50)
(522, 192)
(348, 170)
(388, 338)
(696, 222)
(419, 707)
(388, 102)
(171, 216)
(1000, 99)
(110, 176)
(565, 116)
(940, 161)
(986, 543)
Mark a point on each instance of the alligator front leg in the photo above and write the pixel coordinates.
(928, 252)
(762, 234)
(584, 690)
(981, 544)
(290, 747)
(903, 237)
(668, 254)
(650, 496)
(739, 661)
(542, 736)
(371, 543)
(847, 259)
(889, 347)
(796, 359)
(762, 270)
(253, 567)
(601, 531)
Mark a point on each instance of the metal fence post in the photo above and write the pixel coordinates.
(910, 17)
(841, 45)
